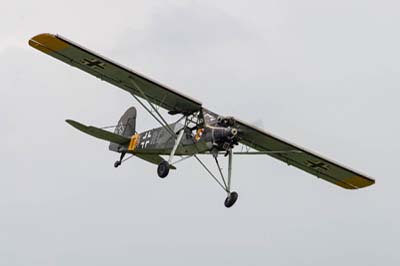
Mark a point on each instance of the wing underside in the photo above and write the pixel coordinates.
(303, 159)
(118, 75)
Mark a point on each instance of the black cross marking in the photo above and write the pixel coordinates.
(317, 165)
(93, 63)
(120, 129)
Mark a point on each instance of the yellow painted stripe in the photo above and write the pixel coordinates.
(133, 143)
(359, 181)
(47, 43)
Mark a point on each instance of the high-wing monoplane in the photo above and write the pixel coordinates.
(198, 131)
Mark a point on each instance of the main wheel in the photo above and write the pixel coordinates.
(231, 199)
(163, 169)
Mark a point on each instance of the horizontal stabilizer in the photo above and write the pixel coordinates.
(99, 133)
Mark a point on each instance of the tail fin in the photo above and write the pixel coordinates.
(126, 126)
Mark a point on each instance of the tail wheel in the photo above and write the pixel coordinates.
(163, 169)
(117, 163)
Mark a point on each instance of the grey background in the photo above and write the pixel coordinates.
(322, 74)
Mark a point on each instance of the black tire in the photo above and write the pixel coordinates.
(231, 199)
(163, 169)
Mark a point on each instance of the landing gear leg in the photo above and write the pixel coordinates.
(163, 167)
(232, 196)
(226, 185)
(118, 163)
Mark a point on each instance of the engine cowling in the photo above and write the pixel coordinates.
(223, 133)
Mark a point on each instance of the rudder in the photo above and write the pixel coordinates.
(126, 126)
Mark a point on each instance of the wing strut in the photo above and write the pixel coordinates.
(163, 123)
(266, 152)
(163, 166)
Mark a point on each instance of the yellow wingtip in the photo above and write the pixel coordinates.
(360, 181)
(356, 182)
(47, 43)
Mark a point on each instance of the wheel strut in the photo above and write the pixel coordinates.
(163, 167)
(232, 195)
(118, 163)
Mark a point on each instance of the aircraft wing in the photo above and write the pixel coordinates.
(118, 75)
(301, 158)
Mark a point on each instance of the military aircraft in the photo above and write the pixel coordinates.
(198, 131)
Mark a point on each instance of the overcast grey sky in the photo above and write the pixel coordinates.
(322, 74)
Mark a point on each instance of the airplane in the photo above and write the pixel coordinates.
(198, 131)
